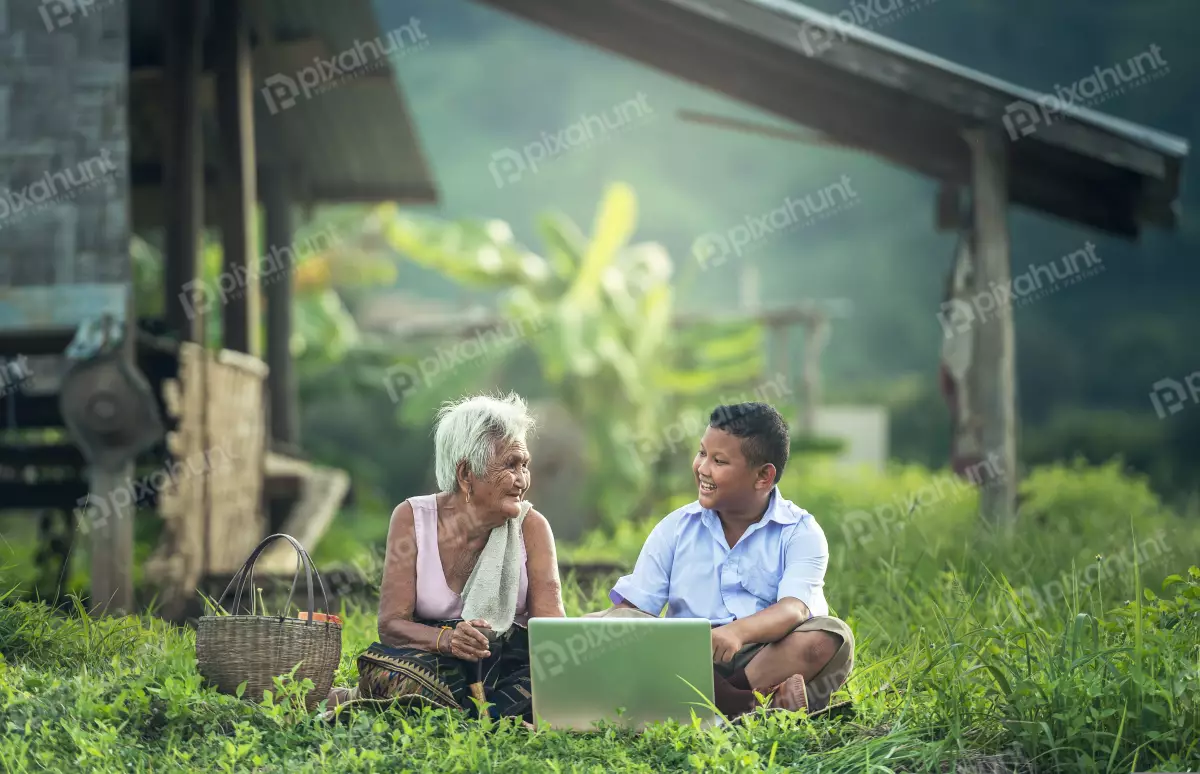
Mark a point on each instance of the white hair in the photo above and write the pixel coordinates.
(470, 428)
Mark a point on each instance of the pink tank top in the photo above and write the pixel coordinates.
(436, 601)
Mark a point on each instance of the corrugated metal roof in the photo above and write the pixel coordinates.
(356, 139)
(351, 138)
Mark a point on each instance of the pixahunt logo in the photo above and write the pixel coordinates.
(715, 247)
(93, 513)
(509, 165)
(871, 14)
(689, 426)
(1022, 118)
(199, 295)
(403, 379)
(60, 13)
(1036, 282)
(53, 187)
(283, 91)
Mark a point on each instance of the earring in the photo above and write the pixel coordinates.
(468, 496)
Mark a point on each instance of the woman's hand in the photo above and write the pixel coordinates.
(468, 642)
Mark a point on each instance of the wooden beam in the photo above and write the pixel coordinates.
(22, 496)
(30, 411)
(804, 313)
(183, 168)
(235, 119)
(281, 383)
(59, 309)
(765, 130)
(993, 367)
(42, 455)
(148, 175)
(322, 493)
(289, 487)
(349, 193)
(35, 342)
(285, 57)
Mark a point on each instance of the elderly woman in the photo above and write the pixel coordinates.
(465, 570)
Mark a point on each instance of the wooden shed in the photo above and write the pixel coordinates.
(988, 142)
(203, 111)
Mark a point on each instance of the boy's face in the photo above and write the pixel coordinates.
(723, 477)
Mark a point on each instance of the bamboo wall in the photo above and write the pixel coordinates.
(212, 509)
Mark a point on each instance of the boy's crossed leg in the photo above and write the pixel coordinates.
(819, 651)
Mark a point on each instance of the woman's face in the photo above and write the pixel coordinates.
(505, 480)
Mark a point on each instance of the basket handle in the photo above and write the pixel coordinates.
(247, 572)
(305, 561)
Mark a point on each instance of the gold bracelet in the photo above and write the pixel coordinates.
(437, 644)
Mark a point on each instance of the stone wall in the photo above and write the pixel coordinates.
(64, 211)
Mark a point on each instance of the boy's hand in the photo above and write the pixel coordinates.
(725, 643)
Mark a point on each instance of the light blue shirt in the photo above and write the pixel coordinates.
(688, 566)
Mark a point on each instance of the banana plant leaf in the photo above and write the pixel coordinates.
(604, 337)
(614, 225)
(565, 246)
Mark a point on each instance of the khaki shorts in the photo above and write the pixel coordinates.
(822, 685)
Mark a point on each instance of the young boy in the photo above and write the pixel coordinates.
(750, 562)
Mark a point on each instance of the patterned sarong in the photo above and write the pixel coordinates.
(408, 676)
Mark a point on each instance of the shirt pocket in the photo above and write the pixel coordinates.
(762, 584)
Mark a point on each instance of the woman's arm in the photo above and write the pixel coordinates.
(545, 588)
(398, 590)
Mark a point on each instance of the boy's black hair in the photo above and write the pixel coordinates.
(763, 433)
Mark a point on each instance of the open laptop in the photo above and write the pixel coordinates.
(628, 671)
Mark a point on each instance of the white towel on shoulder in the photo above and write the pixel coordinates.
(491, 591)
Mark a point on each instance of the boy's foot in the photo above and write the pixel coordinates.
(790, 695)
(338, 696)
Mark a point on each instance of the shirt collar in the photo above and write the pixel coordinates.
(779, 510)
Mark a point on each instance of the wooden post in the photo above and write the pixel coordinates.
(183, 168)
(783, 359)
(816, 335)
(750, 291)
(277, 208)
(111, 536)
(111, 542)
(992, 377)
(237, 290)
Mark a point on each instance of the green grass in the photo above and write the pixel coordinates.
(1005, 651)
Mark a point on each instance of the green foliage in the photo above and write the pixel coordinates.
(598, 314)
(983, 674)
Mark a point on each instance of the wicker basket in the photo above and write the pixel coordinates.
(232, 649)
